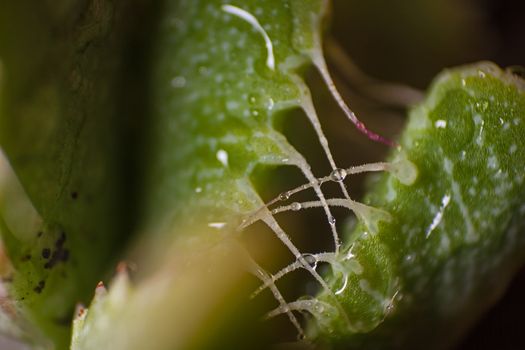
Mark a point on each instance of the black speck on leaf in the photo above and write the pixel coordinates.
(46, 253)
(40, 286)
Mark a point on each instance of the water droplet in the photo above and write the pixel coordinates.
(252, 99)
(481, 74)
(222, 156)
(331, 220)
(254, 112)
(295, 206)
(310, 260)
(274, 211)
(338, 175)
(440, 123)
(284, 196)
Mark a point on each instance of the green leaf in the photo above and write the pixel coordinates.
(215, 98)
(431, 251)
(60, 130)
(454, 239)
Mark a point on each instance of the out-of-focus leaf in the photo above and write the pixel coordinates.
(60, 130)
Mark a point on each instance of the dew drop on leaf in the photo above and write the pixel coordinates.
(295, 206)
(284, 196)
(338, 175)
(310, 259)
